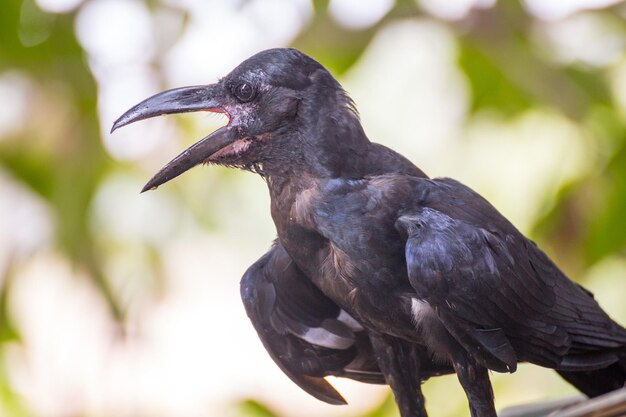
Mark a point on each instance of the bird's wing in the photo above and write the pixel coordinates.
(495, 291)
(306, 334)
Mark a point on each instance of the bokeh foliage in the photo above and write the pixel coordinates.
(60, 156)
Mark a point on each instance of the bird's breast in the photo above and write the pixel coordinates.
(368, 293)
(349, 249)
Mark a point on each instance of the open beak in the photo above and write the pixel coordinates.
(182, 100)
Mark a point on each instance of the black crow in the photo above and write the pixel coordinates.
(380, 273)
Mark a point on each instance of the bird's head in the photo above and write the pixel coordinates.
(269, 99)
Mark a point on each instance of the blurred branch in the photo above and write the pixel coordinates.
(612, 404)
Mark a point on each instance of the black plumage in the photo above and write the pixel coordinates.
(304, 331)
(380, 273)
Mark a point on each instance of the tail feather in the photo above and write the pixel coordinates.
(597, 382)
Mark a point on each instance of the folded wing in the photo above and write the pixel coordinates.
(306, 334)
(496, 292)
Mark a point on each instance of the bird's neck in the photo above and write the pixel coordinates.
(325, 153)
(327, 141)
(293, 165)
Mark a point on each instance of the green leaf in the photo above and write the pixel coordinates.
(491, 87)
(254, 408)
(605, 237)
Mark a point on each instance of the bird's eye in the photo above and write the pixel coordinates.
(244, 92)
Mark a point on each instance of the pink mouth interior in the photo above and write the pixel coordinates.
(236, 148)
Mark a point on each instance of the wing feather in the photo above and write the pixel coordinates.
(495, 291)
(305, 333)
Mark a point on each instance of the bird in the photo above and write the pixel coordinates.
(379, 272)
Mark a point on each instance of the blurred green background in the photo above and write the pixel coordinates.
(119, 304)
